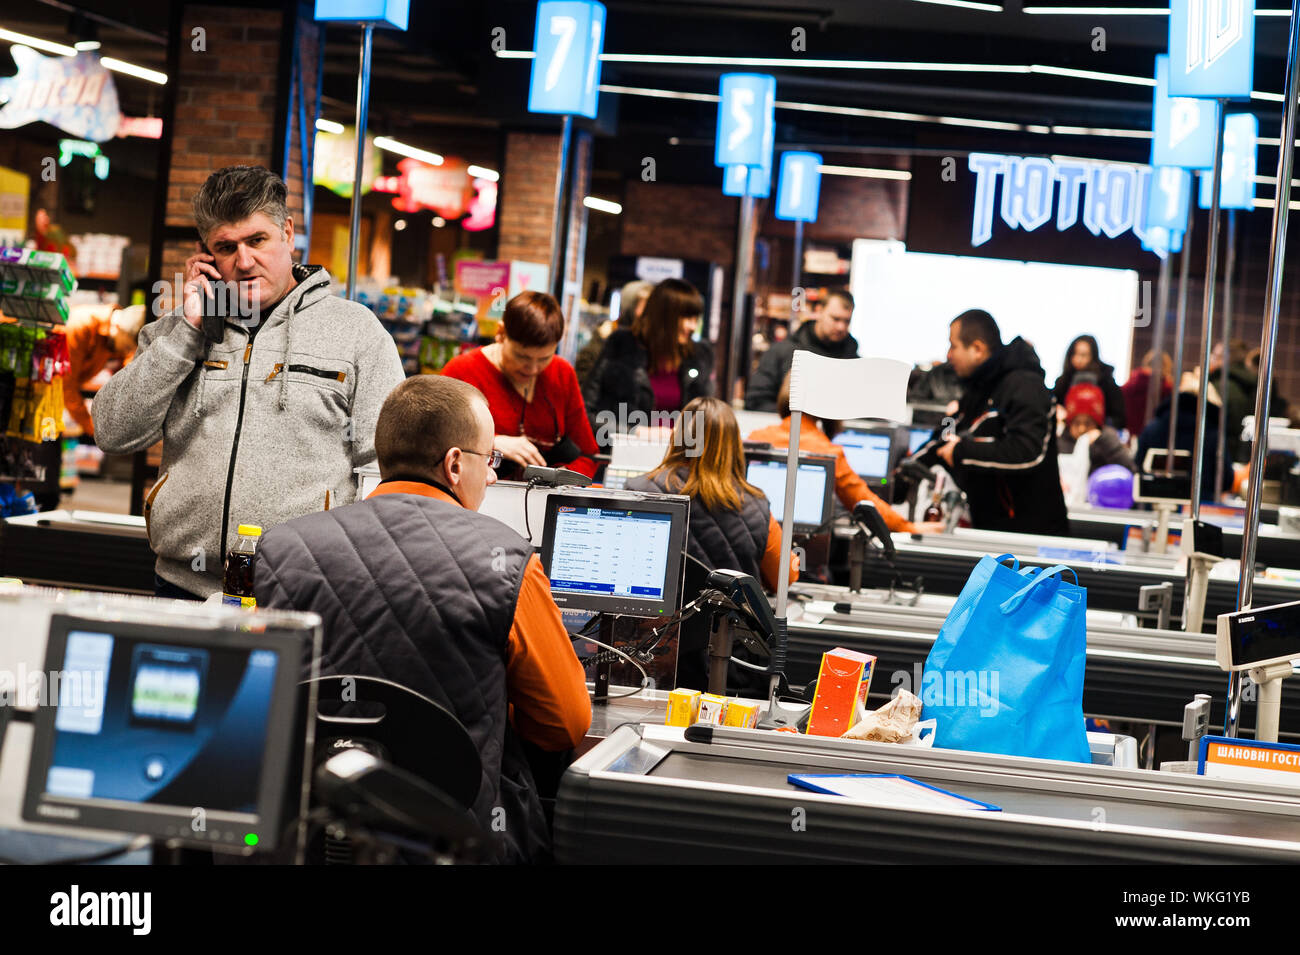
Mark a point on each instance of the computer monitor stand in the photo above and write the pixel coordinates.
(1269, 679)
(600, 693)
(857, 559)
(1164, 510)
(1198, 585)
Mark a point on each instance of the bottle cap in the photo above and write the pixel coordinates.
(249, 530)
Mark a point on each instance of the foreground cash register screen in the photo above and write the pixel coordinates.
(180, 733)
(613, 554)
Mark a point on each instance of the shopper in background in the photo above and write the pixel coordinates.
(827, 334)
(731, 523)
(1082, 364)
(631, 302)
(849, 486)
(1243, 383)
(1156, 433)
(266, 422)
(1085, 412)
(653, 369)
(533, 393)
(98, 335)
(1001, 447)
(1278, 406)
(1138, 386)
(415, 587)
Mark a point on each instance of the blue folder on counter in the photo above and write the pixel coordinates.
(887, 789)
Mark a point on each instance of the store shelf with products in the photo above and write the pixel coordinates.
(34, 292)
(429, 327)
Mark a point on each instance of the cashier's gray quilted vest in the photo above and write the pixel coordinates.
(421, 592)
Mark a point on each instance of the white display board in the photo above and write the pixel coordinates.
(906, 300)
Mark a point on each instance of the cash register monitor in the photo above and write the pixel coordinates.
(915, 438)
(869, 453)
(615, 554)
(814, 489)
(185, 733)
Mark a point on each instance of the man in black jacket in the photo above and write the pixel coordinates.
(1001, 448)
(827, 334)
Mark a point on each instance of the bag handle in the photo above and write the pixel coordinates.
(1015, 561)
(1012, 603)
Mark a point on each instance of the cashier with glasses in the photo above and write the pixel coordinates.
(536, 405)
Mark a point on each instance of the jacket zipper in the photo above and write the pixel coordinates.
(234, 450)
(306, 370)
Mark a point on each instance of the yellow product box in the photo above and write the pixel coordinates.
(683, 707)
(744, 715)
(713, 709)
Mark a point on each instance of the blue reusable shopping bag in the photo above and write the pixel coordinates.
(1005, 674)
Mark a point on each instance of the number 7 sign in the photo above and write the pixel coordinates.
(567, 44)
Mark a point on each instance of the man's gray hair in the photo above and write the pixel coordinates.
(235, 193)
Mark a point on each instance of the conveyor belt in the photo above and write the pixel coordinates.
(729, 802)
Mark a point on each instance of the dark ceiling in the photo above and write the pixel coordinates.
(441, 83)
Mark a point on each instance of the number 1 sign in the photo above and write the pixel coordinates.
(799, 187)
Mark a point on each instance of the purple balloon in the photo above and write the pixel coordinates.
(1111, 485)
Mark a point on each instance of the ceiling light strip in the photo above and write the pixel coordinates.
(865, 172)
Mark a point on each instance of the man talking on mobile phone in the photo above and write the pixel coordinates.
(265, 408)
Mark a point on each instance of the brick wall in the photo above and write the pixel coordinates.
(226, 100)
(687, 222)
(527, 196)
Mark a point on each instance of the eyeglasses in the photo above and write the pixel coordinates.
(493, 457)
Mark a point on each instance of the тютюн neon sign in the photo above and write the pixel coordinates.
(1114, 195)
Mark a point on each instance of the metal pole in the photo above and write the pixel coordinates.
(1207, 319)
(1221, 458)
(1180, 333)
(798, 272)
(1157, 344)
(1281, 212)
(363, 107)
(741, 285)
(559, 214)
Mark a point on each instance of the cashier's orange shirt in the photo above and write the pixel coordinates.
(545, 685)
(849, 487)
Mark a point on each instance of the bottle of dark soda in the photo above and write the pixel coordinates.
(934, 512)
(238, 588)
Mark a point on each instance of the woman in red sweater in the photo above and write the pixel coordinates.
(534, 396)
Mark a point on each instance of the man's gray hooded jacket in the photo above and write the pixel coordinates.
(255, 430)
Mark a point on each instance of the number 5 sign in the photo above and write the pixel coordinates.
(1211, 48)
(746, 120)
(566, 57)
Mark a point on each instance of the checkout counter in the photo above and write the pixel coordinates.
(1133, 675)
(78, 549)
(649, 794)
